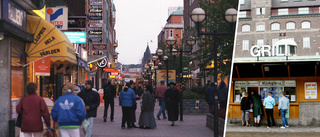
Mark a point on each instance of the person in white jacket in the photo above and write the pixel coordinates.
(283, 107)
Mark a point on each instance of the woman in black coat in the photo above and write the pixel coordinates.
(172, 102)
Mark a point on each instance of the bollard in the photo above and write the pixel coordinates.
(12, 128)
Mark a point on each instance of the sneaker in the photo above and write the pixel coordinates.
(287, 126)
(282, 127)
(268, 127)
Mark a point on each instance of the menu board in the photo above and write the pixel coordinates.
(310, 89)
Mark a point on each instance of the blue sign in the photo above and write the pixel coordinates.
(15, 14)
(76, 37)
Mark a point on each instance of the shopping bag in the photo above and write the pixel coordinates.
(51, 132)
(84, 126)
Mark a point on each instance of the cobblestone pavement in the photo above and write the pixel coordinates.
(192, 126)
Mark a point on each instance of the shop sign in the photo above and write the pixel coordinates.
(84, 54)
(16, 15)
(43, 66)
(78, 22)
(240, 83)
(310, 89)
(95, 32)
(95, 39)
(58, 17)
(76, 37)
(95, 25)
(290, 83)
(95, 10)
(99, 47)
(271, 83)
(97, 3)
(103, 63)
(253, 83)
(95, 17)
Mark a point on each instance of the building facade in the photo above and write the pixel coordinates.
(279, 42)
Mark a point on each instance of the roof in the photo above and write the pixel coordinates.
(178, 12)
(171, 25)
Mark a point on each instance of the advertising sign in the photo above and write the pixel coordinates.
(162, 75)
(103, 63)
(95, 10)
(99, 47)
(310, 89)
(95, 32)
(76, 37)
(96, 25)
(16, 15)
(77, 22)
(96, 3)
(95, 17)
(58, 16)
(43, 66)
(95, 39)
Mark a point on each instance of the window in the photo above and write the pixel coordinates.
(166, 33)
(261, 11)
(304, 10)
(305, 25)
(242, 2)
(290, 25)
(275, 26)
(245, 45)
(260, 42)
(242, 14)
(245, 28)
(283, 12)
(306, 42)
(283, 0)
(171, 33)
(260, 27)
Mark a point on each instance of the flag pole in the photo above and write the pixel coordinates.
(35, 61)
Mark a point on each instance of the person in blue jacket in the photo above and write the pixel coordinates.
(127, 98)
(269, 102)
(69, 112)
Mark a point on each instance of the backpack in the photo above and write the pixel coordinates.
(107, 92)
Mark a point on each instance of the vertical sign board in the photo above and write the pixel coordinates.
(162, 75)
(310, 89)
(58, 16)
(43, 66)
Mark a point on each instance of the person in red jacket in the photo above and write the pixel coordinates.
(33, 108)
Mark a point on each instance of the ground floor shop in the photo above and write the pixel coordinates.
(299, 80)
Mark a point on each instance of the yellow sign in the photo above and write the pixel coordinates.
(210, 66)
(162, 75)
(41, 13)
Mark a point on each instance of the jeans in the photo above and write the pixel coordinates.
(90, 119)
(284, 119)
(106, 106)
(270, 114)
(245, 115)
(70, 132)
(162, 110)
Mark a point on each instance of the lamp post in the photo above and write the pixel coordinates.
(198, 15)
(165, 58)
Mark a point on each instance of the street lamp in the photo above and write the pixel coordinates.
(159, 52)
(170, 42)
(115, 45)
(198, 15)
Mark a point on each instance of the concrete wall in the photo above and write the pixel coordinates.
(189, 106)
(309, 113)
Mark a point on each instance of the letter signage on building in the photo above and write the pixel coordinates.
(76, 37)
(99, 47)
(310, 89)
(43, 66)
(95, 39)
(96, 3)
(95, 32)
(95, 10)
(58, 16)
(96, 25)
(16, 15)
(95, 17)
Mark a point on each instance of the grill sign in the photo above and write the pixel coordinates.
(95, 10)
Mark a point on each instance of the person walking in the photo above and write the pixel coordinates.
(33, 108)
(223, 95)
(91, 100)
(120, 87)
(269, 103)
(160, 91)
(245, 107)
(257, 107)
(127, 97)
(172, 101)
(147, 120)
(283, 108)
(210, 95)
(109, 92)
(69, 112)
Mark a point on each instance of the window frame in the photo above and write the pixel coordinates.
(245, 45)
(306, 42)
(288, 27)
(247, 29)
(303, 24)
(259, 28)
(273, 26)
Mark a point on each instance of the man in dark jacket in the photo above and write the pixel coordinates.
(91, 100)
(223, 95)
(210, 95)
(109, 92)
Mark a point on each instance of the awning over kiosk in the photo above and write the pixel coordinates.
(48, 40)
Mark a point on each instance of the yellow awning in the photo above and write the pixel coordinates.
(48, 40)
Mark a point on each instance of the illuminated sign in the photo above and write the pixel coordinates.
(16, 15)
(58, 17)
(103, 63)
(76, 37)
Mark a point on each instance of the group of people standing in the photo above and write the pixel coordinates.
(254, 104)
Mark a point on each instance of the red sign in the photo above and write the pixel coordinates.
(99, 47)
(43, 66)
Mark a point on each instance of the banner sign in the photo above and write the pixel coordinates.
(76, 37)
(95, 32)
(95, 17)
(95, 10)
(58, 17)
(99, 47)
(95, 25)
(75, 22)
(43, 66)
(310, 89)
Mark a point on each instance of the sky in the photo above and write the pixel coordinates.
(139, 22)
